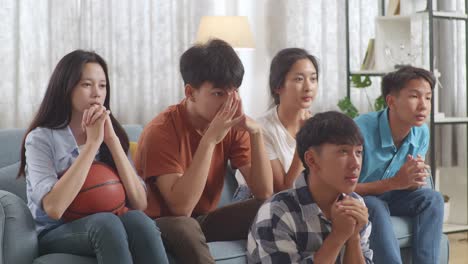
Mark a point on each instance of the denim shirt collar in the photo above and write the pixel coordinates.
(386, 132)
(67, 142)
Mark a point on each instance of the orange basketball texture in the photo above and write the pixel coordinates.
(102, 191)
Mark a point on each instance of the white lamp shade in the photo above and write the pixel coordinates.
(234, 30)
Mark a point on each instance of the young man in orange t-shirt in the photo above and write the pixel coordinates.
(183, 155)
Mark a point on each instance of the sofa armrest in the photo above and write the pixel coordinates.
(18, 237)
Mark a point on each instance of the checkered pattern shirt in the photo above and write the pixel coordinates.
(291, 228)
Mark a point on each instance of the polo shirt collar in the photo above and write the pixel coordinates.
(386, 132)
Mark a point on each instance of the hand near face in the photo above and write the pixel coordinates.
(109, 132)
(343, 224)
(93, 123)
(246, 123)
(224, 119)
(249, 125)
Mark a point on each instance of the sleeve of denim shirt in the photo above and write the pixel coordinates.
(40, 164)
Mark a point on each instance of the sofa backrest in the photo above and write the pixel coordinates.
(133, 132)
(10, 142)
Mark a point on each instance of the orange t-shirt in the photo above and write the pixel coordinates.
(168, 144)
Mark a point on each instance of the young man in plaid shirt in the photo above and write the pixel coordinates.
(322, 220)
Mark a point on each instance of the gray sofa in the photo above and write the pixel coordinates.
(18, 241)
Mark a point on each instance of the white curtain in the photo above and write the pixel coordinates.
(143, 40)
(319, 27)
(450, 52)
(140, 40)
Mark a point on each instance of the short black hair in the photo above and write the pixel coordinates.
(393, 82)
(328, 127)
(282, 64)
(215, 62)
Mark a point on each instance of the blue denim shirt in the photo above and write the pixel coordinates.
(382, 159)
(49, 152)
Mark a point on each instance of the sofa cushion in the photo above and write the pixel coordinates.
(133, 132)
(64, 258)
(9, 182)
(133, 148)
(225, 252)
(10, 140)
(403, 228)
(229, 251)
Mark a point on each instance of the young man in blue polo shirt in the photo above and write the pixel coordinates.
(321, 220)
(394, 172)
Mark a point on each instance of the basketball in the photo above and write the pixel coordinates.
(102, 191)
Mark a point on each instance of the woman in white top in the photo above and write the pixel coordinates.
(293, 86)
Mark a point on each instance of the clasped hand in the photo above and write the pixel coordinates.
(349, 216)
(412, 174)
(230, 115)
(97, 124)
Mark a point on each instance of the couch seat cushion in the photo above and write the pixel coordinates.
(403, 228)
(59, 258)
(229, 250)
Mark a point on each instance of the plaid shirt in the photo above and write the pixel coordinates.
(290, 228)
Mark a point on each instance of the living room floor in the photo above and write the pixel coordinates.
(458, 248)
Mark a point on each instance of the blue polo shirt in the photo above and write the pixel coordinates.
(382, 159)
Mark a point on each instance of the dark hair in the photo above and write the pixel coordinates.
(328, 127)
(281, 65)
(215, 62)
(56, 108)
(393, 82)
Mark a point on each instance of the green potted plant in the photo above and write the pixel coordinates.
(360, 82)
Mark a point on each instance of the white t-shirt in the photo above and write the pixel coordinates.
(279, 144)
